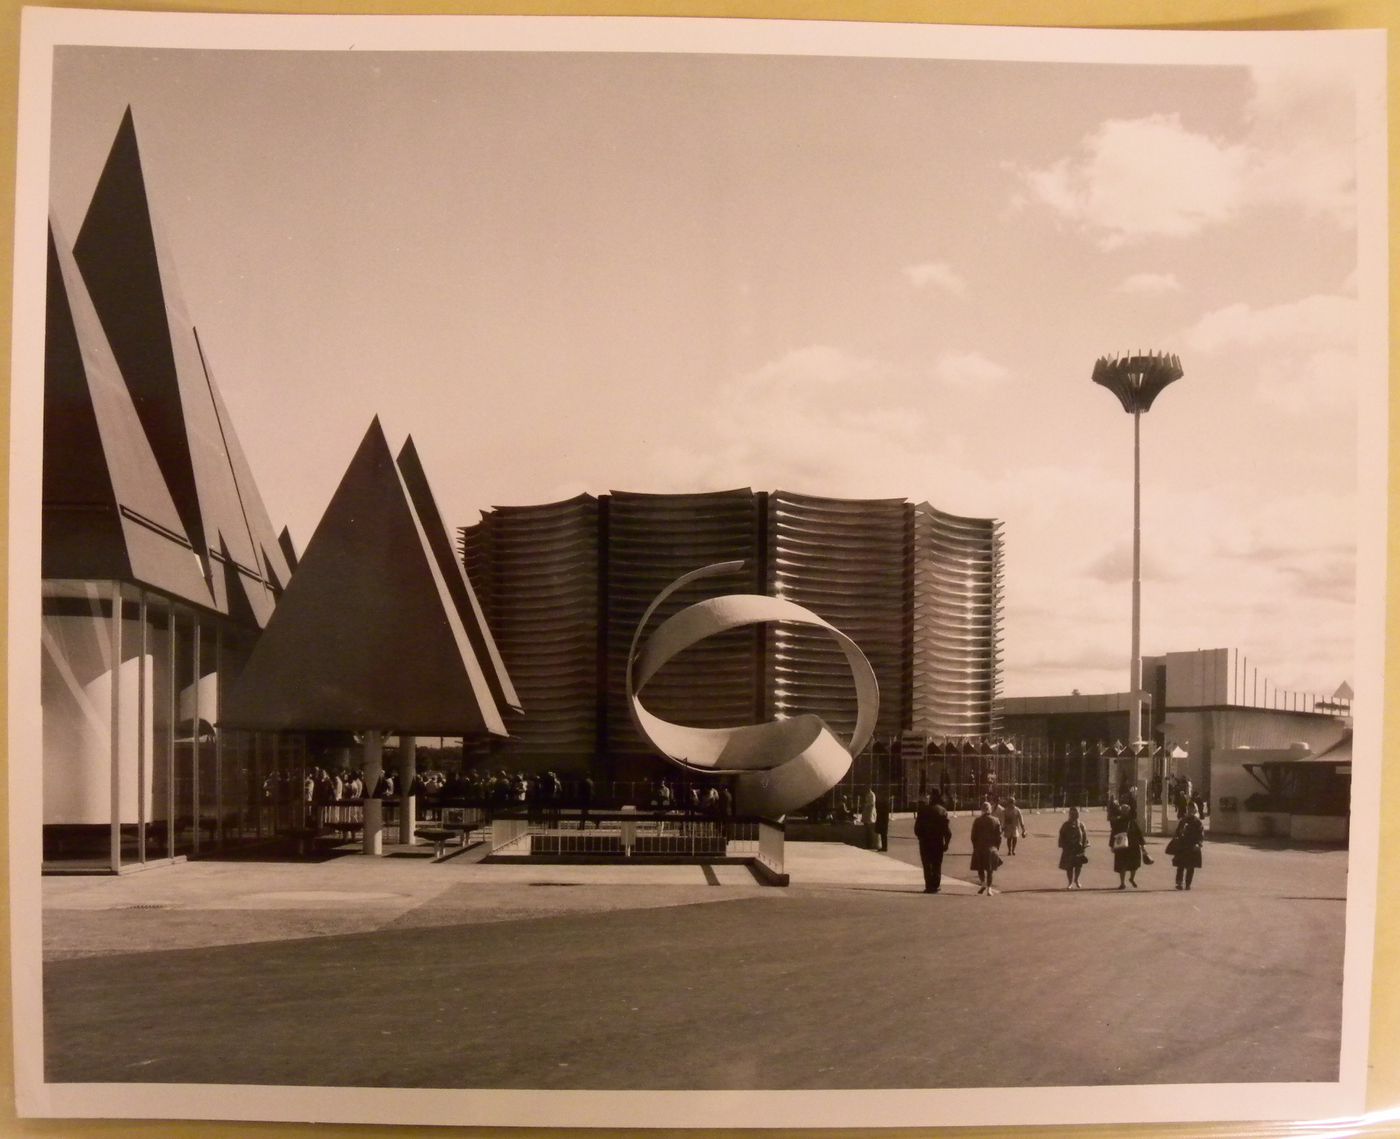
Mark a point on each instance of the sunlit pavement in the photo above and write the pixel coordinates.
(598, 977)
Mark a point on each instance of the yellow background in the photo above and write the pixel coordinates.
(1384, 1089)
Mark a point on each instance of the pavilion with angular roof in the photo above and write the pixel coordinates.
(163, 576)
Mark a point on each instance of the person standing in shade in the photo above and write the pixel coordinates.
(934, 832)
(585, 803)
(1185, 847)
(882, 822)
(986, 843)
(1013, 825)
(867, 816)
(1074, 848)
(726, 809)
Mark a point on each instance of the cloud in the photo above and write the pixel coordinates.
(1319, 321)
(1324, 381)
(1303, 351)
(968, 370)
(1269, 577)
(823, 421)
(937, 273)
(1115, 566)
(1149, 177)
(1150, 283)
(816, 366)
(1130, 180)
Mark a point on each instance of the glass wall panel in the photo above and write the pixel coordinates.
(135, 702)
(240, 785)
(76, 693)
(184, 777)
(204, 714)
(161, 647)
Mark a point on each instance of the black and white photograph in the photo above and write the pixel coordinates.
(818, 569)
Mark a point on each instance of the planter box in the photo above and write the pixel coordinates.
(1265, 824)
(1225, 822)
(1320, 828)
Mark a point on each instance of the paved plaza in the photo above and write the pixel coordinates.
(401, 972)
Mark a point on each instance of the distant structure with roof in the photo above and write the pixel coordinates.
(1227, 718)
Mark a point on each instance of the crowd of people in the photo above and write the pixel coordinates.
(1000, 822)
(542, 795)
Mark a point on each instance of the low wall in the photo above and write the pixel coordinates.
(852, 834)
(1280, 824)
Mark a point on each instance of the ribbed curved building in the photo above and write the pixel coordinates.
(956, 641)
(536, 568)
(564, 584)
(847, 560)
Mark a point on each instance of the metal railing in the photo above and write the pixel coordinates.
(628, 833)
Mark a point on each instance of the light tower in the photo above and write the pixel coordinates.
(1137, 381)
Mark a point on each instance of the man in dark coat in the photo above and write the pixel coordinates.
(882, 821)
(932, 829)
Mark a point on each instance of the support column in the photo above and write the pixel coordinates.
(373, 766)
(408, 770)
(115, 727)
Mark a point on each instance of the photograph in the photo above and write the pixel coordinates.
(820, 569)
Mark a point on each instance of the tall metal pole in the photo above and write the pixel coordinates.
(1135, 666)
(1137, 381)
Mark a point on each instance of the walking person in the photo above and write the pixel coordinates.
(986, 843)
(1185, 846)
(934, 832)
(1074, 848)
(1013, 825)
(1126, 841)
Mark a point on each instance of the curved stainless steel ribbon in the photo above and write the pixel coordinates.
(780, 765)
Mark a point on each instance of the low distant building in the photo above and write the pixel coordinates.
(1214, 706)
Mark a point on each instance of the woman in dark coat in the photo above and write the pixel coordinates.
(1185, 848)
(986, 838)
(1074, 848)
(1127, 851)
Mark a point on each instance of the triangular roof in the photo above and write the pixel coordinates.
(108, 512)
(459, 586)
(140, 329)
(121, 264)
(368, 634)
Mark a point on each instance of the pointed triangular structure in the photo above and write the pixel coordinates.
(107, 512)
(367, 634)
(272, 563)
(289, 550)
(135, 290)
(117, 252)
(458, 584)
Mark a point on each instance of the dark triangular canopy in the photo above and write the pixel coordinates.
(368, 633)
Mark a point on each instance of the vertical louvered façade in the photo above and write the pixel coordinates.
(564, 585)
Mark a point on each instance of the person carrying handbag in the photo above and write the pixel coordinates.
(1126, 841)
(1074, 848)
(1185, 846)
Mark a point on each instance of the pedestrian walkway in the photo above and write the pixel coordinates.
(835, 864)
(206, 903)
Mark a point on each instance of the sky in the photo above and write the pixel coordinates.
(839, 276)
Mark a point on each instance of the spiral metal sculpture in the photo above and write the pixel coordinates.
(779, 765)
